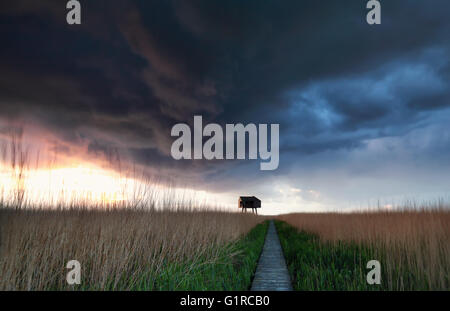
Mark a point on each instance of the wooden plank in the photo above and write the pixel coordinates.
(272, 273)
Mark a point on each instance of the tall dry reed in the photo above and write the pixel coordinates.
(117, 249)
(413, 246)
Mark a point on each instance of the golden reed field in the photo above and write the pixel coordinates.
(118, 248)
(403, 240)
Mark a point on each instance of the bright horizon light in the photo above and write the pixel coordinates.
(91, 184)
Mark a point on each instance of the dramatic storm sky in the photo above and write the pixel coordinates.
(364, 111)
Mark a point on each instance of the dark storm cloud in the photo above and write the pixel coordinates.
(387, 101)
(134, 68)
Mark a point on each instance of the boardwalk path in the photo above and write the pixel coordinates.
(271, 272)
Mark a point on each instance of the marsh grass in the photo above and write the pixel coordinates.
(412, 245)
(126, 249)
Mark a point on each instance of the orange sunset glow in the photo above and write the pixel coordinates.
(88, 183)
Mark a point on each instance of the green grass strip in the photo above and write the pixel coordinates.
(317, 265)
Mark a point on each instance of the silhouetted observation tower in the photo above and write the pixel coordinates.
(249, 202)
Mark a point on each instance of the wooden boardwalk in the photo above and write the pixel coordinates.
(271, 272)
